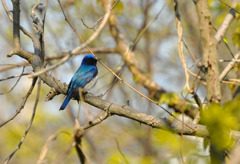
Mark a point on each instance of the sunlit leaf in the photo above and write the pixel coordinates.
(119, 8)
(169, 98)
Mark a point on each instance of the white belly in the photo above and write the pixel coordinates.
(90, 85)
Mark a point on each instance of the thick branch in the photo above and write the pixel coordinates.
(209, 48)
(150, 120)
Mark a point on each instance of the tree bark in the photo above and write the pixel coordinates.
(210, 66)
(209, 49)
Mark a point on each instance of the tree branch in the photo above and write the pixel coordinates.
(29, 125)
(150, 120)
(209, 47)
(225, 24)
(22, 104)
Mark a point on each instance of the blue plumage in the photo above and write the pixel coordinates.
(85, 78)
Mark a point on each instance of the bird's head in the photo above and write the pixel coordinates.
(89, 60)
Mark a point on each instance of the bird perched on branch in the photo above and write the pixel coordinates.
(84, 78)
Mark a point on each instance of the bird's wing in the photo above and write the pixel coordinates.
(83, 76)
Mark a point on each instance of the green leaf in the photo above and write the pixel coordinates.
(225, 40)
(118, 8)
(219, 122)
(169, 98)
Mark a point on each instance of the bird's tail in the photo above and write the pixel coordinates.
(66, 101)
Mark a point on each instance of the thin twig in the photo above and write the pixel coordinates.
(190, 52)
(120, 151)
(11, 66)
(229, 66)
(15, 83)
(146, 27)
(45, 13)
(11, 19)
(22, 104)
(63, 60)
(84, 104)
(98, 120)
(29, 125)
(77, 49)
(228, 6)
(14, 76)
(45, 147)
(114, 80)
(61, 156)
(92, 28)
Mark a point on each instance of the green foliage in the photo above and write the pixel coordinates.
(232, 107)
(236, 37)
(147, 160)
(169, 98)
(225, 40)
(119, 8)
(219, 121)
(116, 158)
(172, 142)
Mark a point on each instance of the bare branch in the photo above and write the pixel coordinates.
(94, 35)
(58, 56)
(63, 60)
(11, 19)
(38, 41)
(29, 125)
(144, 29)
(229, 66)
(78, 49)
(92, 28)
(150, 120)
(14, 76)
(11, 66)
(15, 83)
(98, 120)
(24, 54)
(22, 104)
(225, 24)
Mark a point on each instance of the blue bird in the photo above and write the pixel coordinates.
(85, 77)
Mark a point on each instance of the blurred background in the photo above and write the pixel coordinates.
(156, 52)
